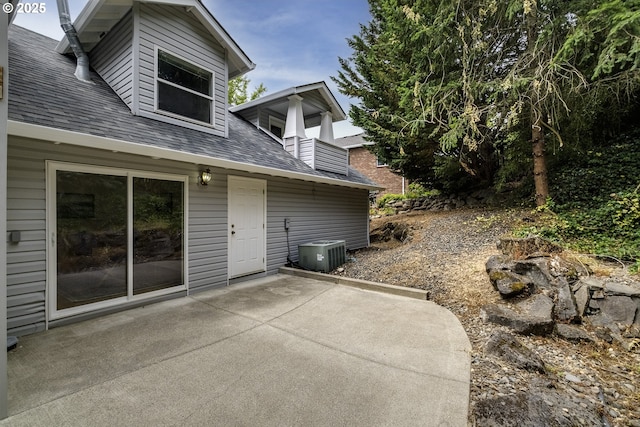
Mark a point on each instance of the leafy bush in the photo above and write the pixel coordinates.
(596, 205)
(416, 190)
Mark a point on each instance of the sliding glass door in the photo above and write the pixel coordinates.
(91, 230)
(157, 234)
(119, 236)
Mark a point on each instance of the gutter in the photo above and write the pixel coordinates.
(82, 67)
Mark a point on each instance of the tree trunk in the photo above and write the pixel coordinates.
(537, 134)
(539, 163)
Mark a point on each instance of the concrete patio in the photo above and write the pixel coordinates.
(282, 350)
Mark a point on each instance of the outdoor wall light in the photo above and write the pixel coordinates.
(205, 176)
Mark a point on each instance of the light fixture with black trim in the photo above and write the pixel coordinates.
(205, 176)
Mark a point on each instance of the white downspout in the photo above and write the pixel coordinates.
(82, 67)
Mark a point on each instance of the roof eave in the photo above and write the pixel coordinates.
(240, 63)
(335, 107)
(44, 133)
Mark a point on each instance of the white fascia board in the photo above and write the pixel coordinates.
(282, 94)
(26, 130)
(336, 109)
(241, 61)
(364, 144)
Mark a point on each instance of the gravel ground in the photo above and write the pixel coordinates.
(444, 253)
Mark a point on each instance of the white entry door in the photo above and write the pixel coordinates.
(247, 228)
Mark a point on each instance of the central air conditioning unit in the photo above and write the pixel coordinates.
(324, 255)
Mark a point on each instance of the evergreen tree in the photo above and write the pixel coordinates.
(471, 80)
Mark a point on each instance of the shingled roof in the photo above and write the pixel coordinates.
(43, 91)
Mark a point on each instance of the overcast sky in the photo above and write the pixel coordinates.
(293, 42)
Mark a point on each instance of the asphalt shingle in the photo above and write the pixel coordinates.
(44, 91)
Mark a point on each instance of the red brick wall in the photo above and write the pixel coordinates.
(365, 162)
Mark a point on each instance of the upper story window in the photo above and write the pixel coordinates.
(183, 89)
(380, 163)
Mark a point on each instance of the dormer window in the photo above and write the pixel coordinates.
(183, 89)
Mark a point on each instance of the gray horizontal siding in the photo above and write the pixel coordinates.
(26, 260)
(289, 145)
(307, 154)
(317, 211)
(208, 235)
(330, 158)
(112, 58)
(180, 33)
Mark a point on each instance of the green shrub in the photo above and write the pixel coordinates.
(596, 205)
(389, 197)
(415, 191)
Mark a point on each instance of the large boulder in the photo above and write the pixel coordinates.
(539, 305)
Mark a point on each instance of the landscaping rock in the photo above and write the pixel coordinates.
(620, 309)
(520, 323)
(572, 333)
(592, 283)
(615, 288)
(509, 284)
(390, 231)
(565, 307)
(582, 296)
(539, 305)
(537, 269)
(499, 262)
(508, 348)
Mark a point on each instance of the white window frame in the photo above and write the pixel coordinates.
(156, 79)
(52, 292)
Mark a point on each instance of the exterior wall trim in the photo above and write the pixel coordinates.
(45, 133)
